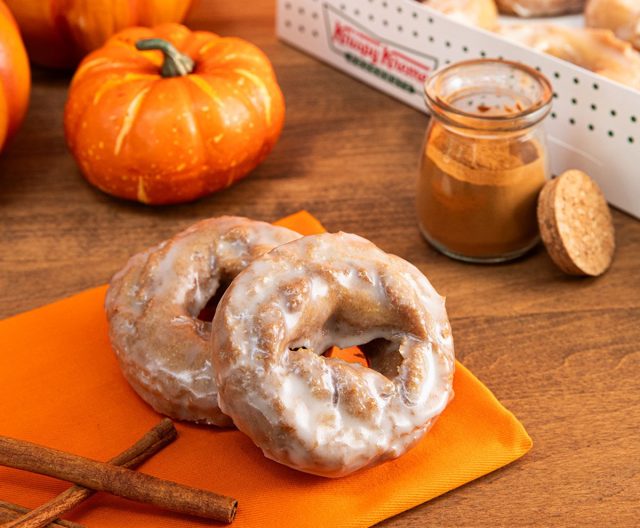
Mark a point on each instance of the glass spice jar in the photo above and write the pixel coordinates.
(484, 159)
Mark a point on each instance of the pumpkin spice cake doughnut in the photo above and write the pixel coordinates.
(620, 16)
(539, 8)
(319, 414)
(481, 13)
(598, 50)
(153, 305)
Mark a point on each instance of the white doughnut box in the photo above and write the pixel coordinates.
(395, 45)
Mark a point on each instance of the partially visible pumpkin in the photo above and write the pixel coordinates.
(15, 76)
(189, 117)
(58, 33)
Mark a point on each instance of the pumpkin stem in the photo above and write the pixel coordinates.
(175, 64)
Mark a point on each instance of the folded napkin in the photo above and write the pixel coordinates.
(60, 386)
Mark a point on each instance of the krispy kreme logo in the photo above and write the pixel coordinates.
(407, 69)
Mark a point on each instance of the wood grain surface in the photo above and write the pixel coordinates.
(562, 353)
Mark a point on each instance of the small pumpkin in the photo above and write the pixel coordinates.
(166, 115)
(15, 76)
(58, 34)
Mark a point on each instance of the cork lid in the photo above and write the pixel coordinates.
(575, 224)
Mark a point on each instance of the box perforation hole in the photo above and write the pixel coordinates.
(630, 139)
(610, 133)
(594, 107)
(590, 127)
(613, 113)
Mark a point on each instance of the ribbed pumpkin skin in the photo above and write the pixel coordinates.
(59, 33)
(15, 76)
(139, 136)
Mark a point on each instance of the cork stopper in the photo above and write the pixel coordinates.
(575, 224)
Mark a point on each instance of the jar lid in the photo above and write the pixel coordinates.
(575, 224)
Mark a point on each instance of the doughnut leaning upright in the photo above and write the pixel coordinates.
(323, 415)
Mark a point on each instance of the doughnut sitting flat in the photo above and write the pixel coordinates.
(620, 16)
(598, 50)
(153, 305)
(481, 13)
(323, 415)
(537, 8)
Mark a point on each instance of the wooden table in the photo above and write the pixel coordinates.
(562, 353)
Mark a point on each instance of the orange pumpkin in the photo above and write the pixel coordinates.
(15, 76)
(58, 33)
(190, 115)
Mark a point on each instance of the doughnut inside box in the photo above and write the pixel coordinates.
(395, 45)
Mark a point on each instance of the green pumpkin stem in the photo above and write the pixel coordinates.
(175, 64)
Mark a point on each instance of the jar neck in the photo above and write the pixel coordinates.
(516, 133)
(487, 96)
(472, 125)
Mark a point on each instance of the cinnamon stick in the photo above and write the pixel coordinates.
(116, 480)
(10, 511)
(154, 440)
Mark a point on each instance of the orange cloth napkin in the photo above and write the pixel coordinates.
(60, 386)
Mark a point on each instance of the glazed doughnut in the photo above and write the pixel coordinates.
(538, 8)
(323, 415)
(153, 305)
(620, 16)
(597, 50)
(481, 13)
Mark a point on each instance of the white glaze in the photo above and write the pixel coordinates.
(597, 50)
(324, 415)
(153, 306)
(620, 16)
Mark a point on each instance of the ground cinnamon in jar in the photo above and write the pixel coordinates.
(483, 164)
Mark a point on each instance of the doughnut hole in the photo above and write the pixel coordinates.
(379, 354)
(351, 355)
(209, 310)
(383, 356)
